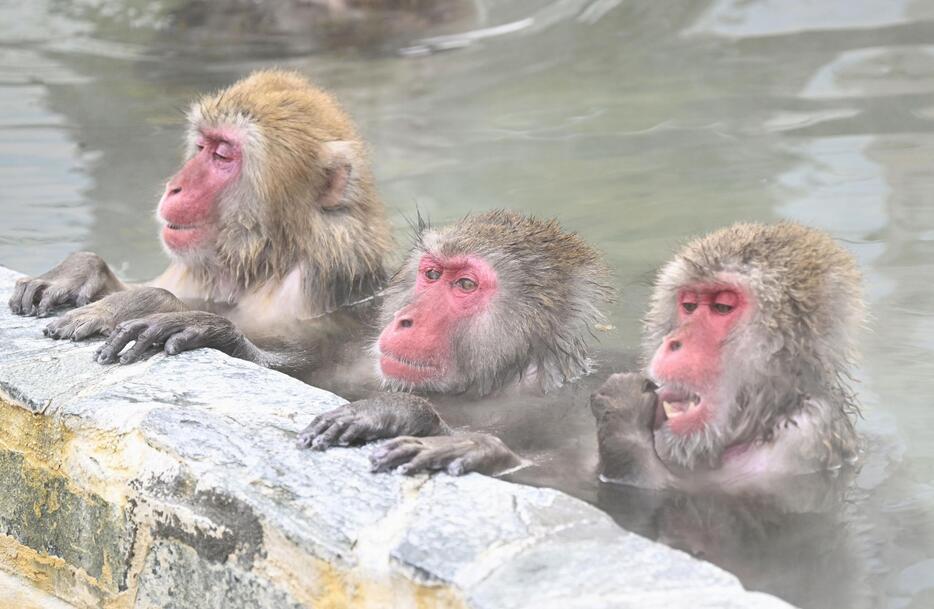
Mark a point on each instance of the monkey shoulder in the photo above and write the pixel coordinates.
(810, 441)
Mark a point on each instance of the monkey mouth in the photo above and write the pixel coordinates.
(681, 409)
(183, 237)
(407, 369)
(172, 226)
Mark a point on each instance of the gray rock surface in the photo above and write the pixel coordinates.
(176, 482)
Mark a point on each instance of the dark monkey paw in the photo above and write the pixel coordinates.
(174, 332)
(386, 415)
(343, 426)
(101, 317)
(628, 399)
(96, 319)
(455, 454)
(81, 278)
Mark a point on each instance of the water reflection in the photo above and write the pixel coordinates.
(637, 123)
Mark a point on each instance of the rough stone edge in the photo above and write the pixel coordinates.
(443, 541)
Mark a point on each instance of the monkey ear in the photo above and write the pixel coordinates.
(338, 160)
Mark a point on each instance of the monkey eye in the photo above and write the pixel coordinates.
(648, 386)
(721, 308)
(466, 284)
(433, 274)
(689, 307)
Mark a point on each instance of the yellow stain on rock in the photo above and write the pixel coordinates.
(19, 594)
(317, 583)
(98, 465)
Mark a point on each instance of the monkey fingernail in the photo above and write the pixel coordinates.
(455, 467)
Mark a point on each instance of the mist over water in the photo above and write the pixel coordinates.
(637, 123)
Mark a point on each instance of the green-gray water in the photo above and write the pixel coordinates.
(635, 122)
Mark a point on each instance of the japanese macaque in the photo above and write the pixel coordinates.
(492, 303)
(749, 341)
(271, 221)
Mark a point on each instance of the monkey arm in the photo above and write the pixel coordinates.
(80, 278)
(624, 408)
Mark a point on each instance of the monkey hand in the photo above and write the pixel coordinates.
(175, 332)
(455, 454)
(387, 415)
(628, 399)
(79, 279)
(99, 318)
(625, 407)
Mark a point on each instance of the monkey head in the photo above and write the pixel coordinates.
(746, 325)
(274, 172)
(488, 300)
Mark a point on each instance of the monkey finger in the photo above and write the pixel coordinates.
(17, 298)
(304, 439)
(53, 327)
(52, 297)
(426, 460)
(118, 339)
(328, 438)
(87, 328)
(62, 328)
(319, 425)
(459, 466)
(473, 460)
(395, 443)
(392, 453)
(382, 460)
(323, 421)
(149, 338)
(87, 291)
(33, 291)
(186, 340)
(95, 326)
(357, 431)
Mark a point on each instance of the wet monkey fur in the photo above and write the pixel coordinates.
(272, 219)
(749, 343)
(495, 302)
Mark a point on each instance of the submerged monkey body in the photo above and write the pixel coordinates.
(749, 343)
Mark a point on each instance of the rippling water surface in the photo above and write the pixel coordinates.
(636, 122)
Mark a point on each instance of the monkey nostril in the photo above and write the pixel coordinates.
(674, 345)
(175, 191)
(405, 323)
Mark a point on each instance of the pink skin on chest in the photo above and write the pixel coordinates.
(416, 345)
(688, 363)
(189, 205)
